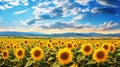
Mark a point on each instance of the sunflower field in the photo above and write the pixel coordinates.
(59, 52)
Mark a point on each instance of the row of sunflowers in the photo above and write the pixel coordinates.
(59, 53)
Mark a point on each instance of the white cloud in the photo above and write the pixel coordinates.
(110, 3)
(25, 2)
(14, 3)
(7, 6)
(60, 3)
(95, 10)
(2, 8)
(42, 8)
(21, 12)
(85, 10)
(103, 2)
(108, 25)
(83, 2)
(74, 27)
(33, 0)
(78, 17)
(68, 12)
(75, 10)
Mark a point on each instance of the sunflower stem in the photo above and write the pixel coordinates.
(4, 63)
(64, 65)
(84, 60)
(98, 64)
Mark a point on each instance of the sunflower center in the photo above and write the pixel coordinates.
(26, 42)
(62, 43)
(8, 47)
(105, 46)
(87, 48)
(75, 45)
(20, 52)
(40, 43)
(11, 44)
(14, 46)
(64, 56)
(49, 45)
(4, 54)
(100, 54)
(97, 45)
(37, 53)
(69, 45)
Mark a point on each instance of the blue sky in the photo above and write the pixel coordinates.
(60, 16)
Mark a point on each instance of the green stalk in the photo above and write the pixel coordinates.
(98, 64)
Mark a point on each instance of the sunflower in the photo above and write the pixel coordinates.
(69, 45)
(5, 54)
(8, 46)
(112, 49)
(37, 53)
(97, 45)
(26, 42)
(75, 45)
(87, 49)
(49, 45)
(14, 46)
(100, 55)
(20, 53)
(62, 43)
(37, 44)
(64, 56)
(106, 46)
(41, 43)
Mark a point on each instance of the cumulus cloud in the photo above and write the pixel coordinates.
(109, 10)
(60, 3)
(83, 2)
(108, 25)
(21, 12)
(61, 25)
(78, 17)
(87, 27)
(28, 21)
(4, 7)
(7, 4)
(57, 9)
(42, 8)
(75, 11)
(14, 3)
(111, 3)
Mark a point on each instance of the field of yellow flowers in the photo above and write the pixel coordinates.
(59, 53)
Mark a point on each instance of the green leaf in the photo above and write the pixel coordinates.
(14, 60)
(29, 58)
(50, 58)
(29, 63)
(1, 63)
(55, 64)
(118, 54)
(80, 58)
(91, 62)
